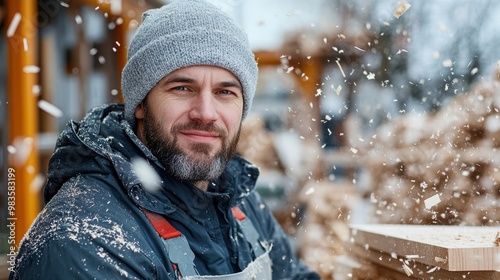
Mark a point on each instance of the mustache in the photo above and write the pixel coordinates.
(208, 127)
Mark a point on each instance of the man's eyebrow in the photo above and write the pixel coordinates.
(177, 79)
(235, 84)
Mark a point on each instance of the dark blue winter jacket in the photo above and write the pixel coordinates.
(92, 226)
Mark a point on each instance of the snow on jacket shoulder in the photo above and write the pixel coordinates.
(85, 233)
(92, 226)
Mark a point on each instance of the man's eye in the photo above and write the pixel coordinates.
(225, 92)
(181, 88)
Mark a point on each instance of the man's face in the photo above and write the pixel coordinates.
(191, 121)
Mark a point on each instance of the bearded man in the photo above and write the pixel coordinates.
(188, 84)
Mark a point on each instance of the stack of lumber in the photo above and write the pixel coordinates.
(328, 208)
(422, 252)
(441, 168)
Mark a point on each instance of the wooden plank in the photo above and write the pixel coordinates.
(414, 268)
(454, 248)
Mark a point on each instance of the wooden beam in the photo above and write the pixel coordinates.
(130, 12)
(454, 248)
(267, 58)
(22, 49)
(406, 268)
(311, 79)
(309, 82)
(308, 74)
(127, 9)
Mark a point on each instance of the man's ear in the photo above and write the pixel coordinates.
(139, 111)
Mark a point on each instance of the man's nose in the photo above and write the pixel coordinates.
(204, 107)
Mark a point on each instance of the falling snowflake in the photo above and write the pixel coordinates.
(150, 180)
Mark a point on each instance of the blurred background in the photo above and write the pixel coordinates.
(365, 112)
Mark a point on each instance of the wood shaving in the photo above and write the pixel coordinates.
(433, 269)
(407, 270)
(401, 9)
(410, 257)
(340, 67)
(432, 201)
(438, 259)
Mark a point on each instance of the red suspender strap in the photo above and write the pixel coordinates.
(238, 214)
(180, 254)
(162, 226)
(249, 231)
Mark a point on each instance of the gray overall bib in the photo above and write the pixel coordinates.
(182, 257)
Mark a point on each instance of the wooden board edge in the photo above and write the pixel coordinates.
(418, 270)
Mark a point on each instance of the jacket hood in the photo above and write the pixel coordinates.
(103, 143)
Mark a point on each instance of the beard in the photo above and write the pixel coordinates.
(196, 164)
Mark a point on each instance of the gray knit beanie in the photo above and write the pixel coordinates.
(185, 33)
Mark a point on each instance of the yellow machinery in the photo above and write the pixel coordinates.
(22, 112)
